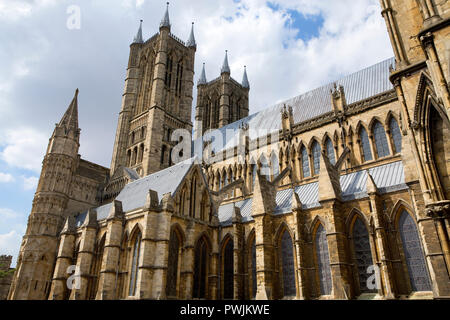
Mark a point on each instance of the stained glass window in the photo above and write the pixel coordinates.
(200, 269)
(135, 264)
(363, 254)
(172, 271)
(305, 163)
(365, 145)
(380, 140)
(396, 135)
(330, 151)
(316, 157)
(414, 256)
(228, 271)
(287, 263)
(323, 261)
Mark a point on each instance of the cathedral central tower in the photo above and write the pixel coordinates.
(157, 100)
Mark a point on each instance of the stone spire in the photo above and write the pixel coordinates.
(191, 41)
(202, 79)
(225, 66)
(70, 118)
(138, 38)
(165, 22)
(245, 83)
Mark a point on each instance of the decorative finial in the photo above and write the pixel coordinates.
(225, 66)
(138, 38)
(202, 79)
(191, 40)
(245, 82)
(165, 22)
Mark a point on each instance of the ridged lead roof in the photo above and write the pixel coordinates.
(358, 86)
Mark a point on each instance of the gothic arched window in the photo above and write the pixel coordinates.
(287, 265)
(363, 254)
(253, 267)
(330, 150)
(396, 135)
(135, 263)
(193, 204)
(96, 268)
(380, 140)
(323, 261)
(316, 157)
(305, 163)
(228, 270)
(415, 259)
(365, 145)
(172, 271)
(200, 269)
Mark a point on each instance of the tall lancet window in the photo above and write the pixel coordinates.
(396, 135)
(254, 173)
(365, 145)
(172, 271)
(305, 163)
(253, 267)
(316, 157)
(412, 248)
(380, 140)
(363, 254)
(135, 263)
(287, 265)
(330, 150)
(228, 270)
(323, 261)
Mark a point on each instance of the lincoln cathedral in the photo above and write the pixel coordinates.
(342, 192)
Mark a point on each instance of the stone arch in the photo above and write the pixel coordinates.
(135, 244)
(96, 267)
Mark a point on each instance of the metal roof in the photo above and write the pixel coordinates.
(388, 178)
(358, 86)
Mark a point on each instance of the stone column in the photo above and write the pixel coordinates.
(63, 261)
(110, 261)
(86, 255)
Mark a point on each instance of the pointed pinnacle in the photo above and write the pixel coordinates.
(191, 41)
(138, 38)
(225, 66)
(165, 22)
(70, 117)
(245, 83)
(202, 79)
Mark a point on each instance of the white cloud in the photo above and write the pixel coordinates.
(30, 183)
(6, 177)
(10, 244)
(16, 9)
(6, 213)
(24, 148)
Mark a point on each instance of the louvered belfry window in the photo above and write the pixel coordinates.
(412, 248)
(363, 254)
(287, 264)
(323, 261)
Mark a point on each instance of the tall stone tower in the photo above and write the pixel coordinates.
(220, 101)
(32, 278)
(157, 100)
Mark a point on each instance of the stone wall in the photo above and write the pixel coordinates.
(6, 274)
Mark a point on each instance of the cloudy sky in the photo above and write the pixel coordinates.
(289, 47)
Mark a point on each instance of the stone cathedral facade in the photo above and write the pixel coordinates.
(350, 200)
